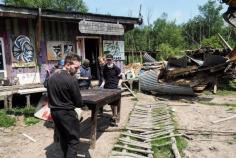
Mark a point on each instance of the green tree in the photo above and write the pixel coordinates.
(212, 41)
(205, 25)
(166, 50)
(167, 32)
(63, 5)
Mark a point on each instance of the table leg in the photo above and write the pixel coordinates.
(93, 136)
(118, 109)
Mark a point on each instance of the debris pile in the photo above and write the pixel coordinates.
(147, 124)
(195, 71)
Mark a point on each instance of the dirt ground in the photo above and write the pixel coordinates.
(189, 115)
(200, 117)
(13, 144)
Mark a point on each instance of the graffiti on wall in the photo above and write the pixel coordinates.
(116, 48)
(23, 51)
(57, 50)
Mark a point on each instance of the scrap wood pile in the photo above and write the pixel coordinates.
(149, 127)
(195, 71)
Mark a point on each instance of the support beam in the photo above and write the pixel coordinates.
(28, 101)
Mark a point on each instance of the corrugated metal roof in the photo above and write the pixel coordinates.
(27, 12)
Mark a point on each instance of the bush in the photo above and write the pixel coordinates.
(213, 41)
(5, 120)
(31, 120)
(166, 51)
(22, 111)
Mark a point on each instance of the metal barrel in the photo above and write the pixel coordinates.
(149, 82)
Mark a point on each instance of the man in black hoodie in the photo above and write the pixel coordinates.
(63, 97)
(112, 75)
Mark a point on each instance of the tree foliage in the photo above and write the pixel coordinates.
(170, 38)
(63, 5)
(163, 34)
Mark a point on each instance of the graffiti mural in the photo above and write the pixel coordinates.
(22, 49)
(116, 48)
(68, 48)
(57, 50)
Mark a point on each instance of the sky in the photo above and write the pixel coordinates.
(179, 10)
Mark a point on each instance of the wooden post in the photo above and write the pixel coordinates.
(131, 84)
(28, 101)
(38, 31)
(5, 103)
(128, 57)
(10, 101)
(141, 57)
(215, 85)
(93, 135)
(132, 56)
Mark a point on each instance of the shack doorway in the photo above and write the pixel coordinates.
(92, 53)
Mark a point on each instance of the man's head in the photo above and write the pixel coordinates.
(109, 59)
(86, 62)
(72, 63)
(102, 60)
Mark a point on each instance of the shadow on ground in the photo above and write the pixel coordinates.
(54, 150)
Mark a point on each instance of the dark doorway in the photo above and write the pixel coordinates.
(91, 53)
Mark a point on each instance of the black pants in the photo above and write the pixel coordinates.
(68, 128)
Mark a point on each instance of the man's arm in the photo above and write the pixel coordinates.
(119, 75)
(75, 94)
(103, 78)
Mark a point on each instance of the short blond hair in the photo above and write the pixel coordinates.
(103, 58)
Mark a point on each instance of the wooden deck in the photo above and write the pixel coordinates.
(7, 92)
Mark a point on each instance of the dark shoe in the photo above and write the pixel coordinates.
(113, 124)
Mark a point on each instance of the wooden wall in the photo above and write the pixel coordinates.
(10, 28)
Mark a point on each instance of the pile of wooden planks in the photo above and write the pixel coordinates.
(196, 70)
(147, 123)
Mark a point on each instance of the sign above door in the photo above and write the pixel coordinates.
(90, 27)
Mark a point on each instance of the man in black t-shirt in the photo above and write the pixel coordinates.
(111, 75)
(63, 97)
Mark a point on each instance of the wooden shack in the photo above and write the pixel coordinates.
(32, 40)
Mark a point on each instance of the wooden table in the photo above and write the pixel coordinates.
(95, 99)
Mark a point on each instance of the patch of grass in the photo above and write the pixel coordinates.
(215, 104)
(162, 151)
(134, 99)
(5, 120)
(31, 120)
(181, 144)
(29, 111)
(230, 108)
(224, 89)
(21, 111)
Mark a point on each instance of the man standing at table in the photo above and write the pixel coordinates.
(112, 75)
(85, 75)
(64, 96)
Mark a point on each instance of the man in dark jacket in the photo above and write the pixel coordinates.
(64, 96)
(85, 75)
(112, 75)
